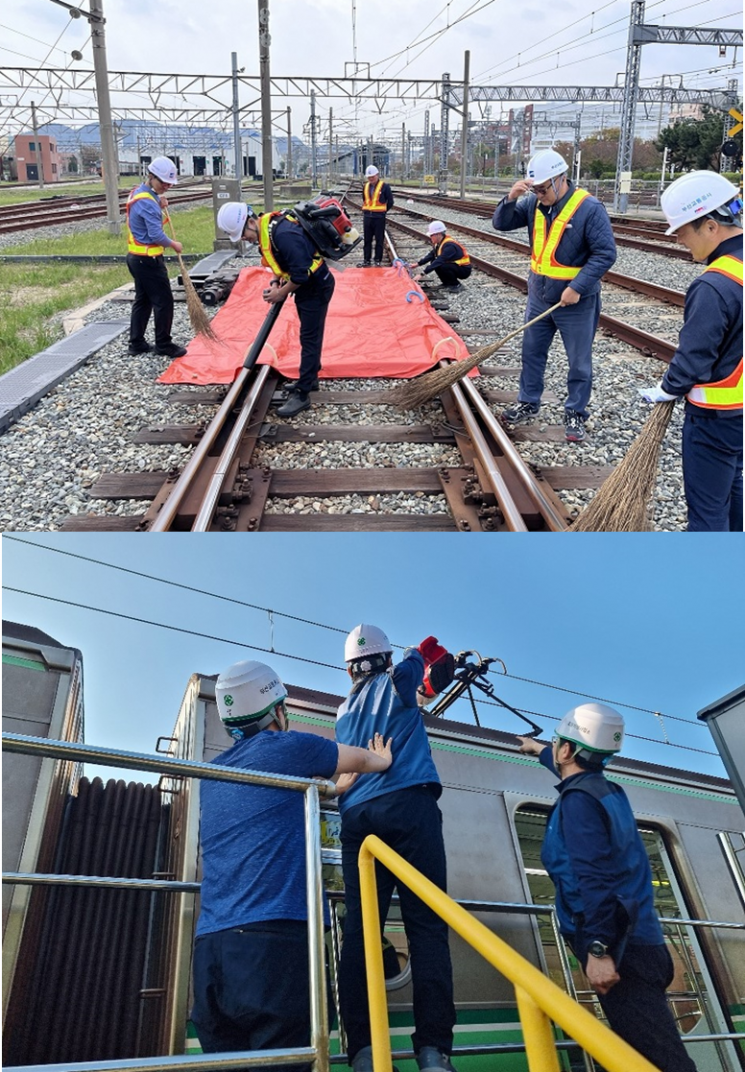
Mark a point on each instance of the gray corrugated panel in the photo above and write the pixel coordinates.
(23, 386)
(211, 263)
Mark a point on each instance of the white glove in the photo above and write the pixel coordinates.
(656, 394)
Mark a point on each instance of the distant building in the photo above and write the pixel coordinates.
(29, 149)
(685, 111)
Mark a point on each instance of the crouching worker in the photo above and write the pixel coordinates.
(447, 258)
(604, 895)
(299, 269)
(251, 972)
(400, 807)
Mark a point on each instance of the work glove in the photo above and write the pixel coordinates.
(431, 650)
(656, 394)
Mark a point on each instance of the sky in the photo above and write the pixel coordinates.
(564, 42)
(643, 622)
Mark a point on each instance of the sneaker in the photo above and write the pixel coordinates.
(378, 264)
(455, 288)
(520, 413)
(365, 264)
(363, 1061)
(174, 350)
(296, 403)
(574, 426)
(431, 1058)
(139, 348)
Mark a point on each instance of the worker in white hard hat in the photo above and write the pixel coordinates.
(299, 270)
(605, 906)
(704, 211)
(251, 978)
(572, 247)
(146, 242)
(377, 200)
(399, 806)
(448, 259)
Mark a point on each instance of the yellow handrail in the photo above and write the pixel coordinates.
(539, 1000)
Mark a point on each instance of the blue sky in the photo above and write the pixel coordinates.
(641, 621)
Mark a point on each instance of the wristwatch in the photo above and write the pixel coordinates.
(597, 949)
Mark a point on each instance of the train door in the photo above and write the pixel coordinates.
(692, 995)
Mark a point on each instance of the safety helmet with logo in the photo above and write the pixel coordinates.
(232, 217)
(247, 694)
(163, 169)
(548, 164)
(596, 729)
(436, 227)
(372, 170)
(366, 640)
(699, 194)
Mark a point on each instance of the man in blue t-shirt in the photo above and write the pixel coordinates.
(400, 807)
(251, 973)
(604, 895)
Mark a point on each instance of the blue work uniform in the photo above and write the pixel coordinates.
(442, 259)
(295, 253)
(400, 807)
(596, 859)
(709, 350)
(152, 286)
(373, 223)
(587, 243)
(251, 977)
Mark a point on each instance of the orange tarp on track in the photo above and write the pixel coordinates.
(371, 330)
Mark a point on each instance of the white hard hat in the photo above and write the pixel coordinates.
(695, 195)
(247, 694)
(595, 727)
(548, 164)
(372, 170)
(365, 640)
(436, 227)
(163, 169)
(232, 219)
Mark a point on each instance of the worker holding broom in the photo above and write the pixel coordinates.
(146, 241)
(572, 248)
(299, 269)
(704, 211)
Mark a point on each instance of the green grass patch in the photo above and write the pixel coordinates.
(12, 196)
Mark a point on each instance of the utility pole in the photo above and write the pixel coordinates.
(288, 169)
(313, 138)
(425, 159)
(237, 149)
(266, 105)
(331, 142)
(106, 127)
(442, 171)
(39, 163)
(403, 151)
(464, 129)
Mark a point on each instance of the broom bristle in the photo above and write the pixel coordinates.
(424, 388)
(623, 502)
(198, 318)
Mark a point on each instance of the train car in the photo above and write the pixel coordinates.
(494, 804)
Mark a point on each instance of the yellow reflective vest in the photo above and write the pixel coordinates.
(267, 223)
(133, 246)
(726, 393)
(371, 198)
(465, 259)
(543, 260)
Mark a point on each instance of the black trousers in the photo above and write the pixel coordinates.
(449, 274)
(312, 302)
(638, 1010)
(152, 294)
(410, 821)
(373, 226)
(251, 988)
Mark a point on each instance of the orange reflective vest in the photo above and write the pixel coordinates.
(726, 393)
(543, 260)
(133, 246)
(267, 223)
(371, 198)
(465, 259)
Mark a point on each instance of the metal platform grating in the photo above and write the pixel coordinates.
(22, 387)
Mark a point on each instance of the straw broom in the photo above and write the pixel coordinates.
(417, 392)
(200, 322)
(623, 502)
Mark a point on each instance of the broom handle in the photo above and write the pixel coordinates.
(498, 345)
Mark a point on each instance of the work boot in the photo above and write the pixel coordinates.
(454, 288)
(294, 386)
(378, 264)
(365, 264)
(172, 350)
(430, 1059)
(520, 413)
(574, 426)
(139, 348)
(363, 1062)
(296, 403)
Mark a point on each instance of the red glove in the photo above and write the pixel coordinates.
(431, 650)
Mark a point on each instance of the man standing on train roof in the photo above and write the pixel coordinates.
(251, 977)
(572, 248)
(704, 211)
(377, 200)
(399, 806)
(299, 269)
(146, 241)
(604, 894)
(448, 259)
